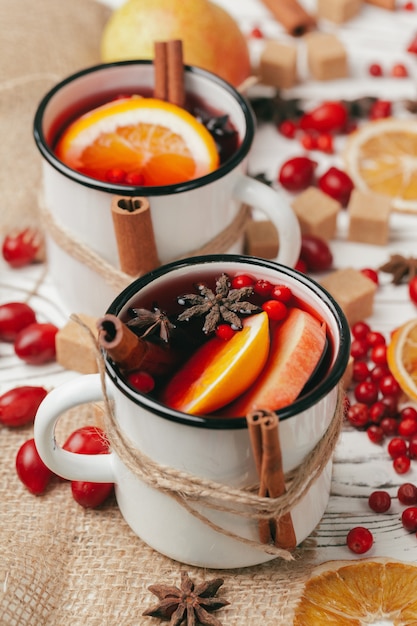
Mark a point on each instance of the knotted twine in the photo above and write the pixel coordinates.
(116, 278)
(187, 489)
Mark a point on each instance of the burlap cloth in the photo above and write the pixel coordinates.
(60, 564)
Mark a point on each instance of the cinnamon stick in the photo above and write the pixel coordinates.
(293, 17)
(131, 352)
(134, 233)
(161, 71)
(169, 71)
(255, 436)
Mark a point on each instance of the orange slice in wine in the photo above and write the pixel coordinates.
(161, 141)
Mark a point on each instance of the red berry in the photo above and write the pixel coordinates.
(325, 118)
(325, 143)
(375, 433)
(379, 501)
(316, 253)
(412, 289)
(407, 494)
(371, 274)
(256, 33)
(391, 403)
(87, 440)
(90, 495)
(401, 464)
(35, 344)
(136, 179)
(358, 349)
(360, 330)
(412, 448)
(374, 338)
(288, 128)
(263, 288)
(377, 412)
(359, 540)
(30, 468)
(399, 70)
(408, 412)
(276, 310)
(380, 109)
(366, 392)
(388, 386)
(301, 266)
(412, 46)
(407, 427)
(379, 354)
(224, 332)
(375, 69)
(358, 415)
(297, 173)
(19, 405)
(409, 6)
(378, 372)
(14, 317)
(389, 426)
(22, 247)
(308, 141)
(337, 184)
(360, 371)
(144, 382)
(242, 280)
(397, 447)
(282, 293)
(409, 518)
(116, 175)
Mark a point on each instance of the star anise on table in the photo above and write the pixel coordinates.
(151, 321)
(400, 267)
(275, 108)
(224, 305)
(190, 604)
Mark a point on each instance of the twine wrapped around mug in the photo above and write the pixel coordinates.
(189, 490)
(113, 276)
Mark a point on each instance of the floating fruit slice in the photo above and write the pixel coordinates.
(402, 357)
(296, 349)
(352, 593)
(381, 157)
(220, 370)
(159, 140)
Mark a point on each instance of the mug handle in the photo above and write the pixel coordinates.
(276, 207)
(96, 468)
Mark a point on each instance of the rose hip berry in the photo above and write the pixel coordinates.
(407, 494)
(371, 274)
(326, 118)
(297, 173)
(337, 184)
(90, 495)
(316, 253)
(22, 247)
(35, 344)
(145, 383)
(359, 540)
(379, 501)
(31, 470)
(380, 109)
(87, 440)
(19, 405)
(409, 519)
(14, 317)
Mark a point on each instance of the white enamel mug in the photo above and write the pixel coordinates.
(213, 448)
(185, 216)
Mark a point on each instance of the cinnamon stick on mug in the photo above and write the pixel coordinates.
(131, 352)
(293, 17)
(169, 72)
(134, 234)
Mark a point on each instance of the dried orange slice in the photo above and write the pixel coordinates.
(353, 593)
(402, 357)
(381, 156)
(161, 141)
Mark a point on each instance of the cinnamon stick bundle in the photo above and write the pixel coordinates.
(264, 437)
(293, 17)
(169, 72)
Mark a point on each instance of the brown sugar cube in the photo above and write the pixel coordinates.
(383, 4)
(261, 239)
(278, 65)
(369, 217)
(338, 11)
(316, 212)
(74, 347)
(326, 55)
(353, 291)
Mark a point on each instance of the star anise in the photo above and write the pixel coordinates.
(151, 321)
(400, 267)
(191, 604)
(223, 305)
(275, 108)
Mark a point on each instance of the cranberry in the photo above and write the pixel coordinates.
(22, 247)
(263, 288)
(360, 330)
(375, 69)
(282, 293)
(358, 415)
(388, 386)
(90, 495)
(358, 349)
(412, 448)
(371, 274)
(391, 403)
(145, 383)
(397, 447)
(409, 6)
(360, 371)
(116, 175)
(325, 118)
(407, 427)
(316, 253)
(301, 266)
(379, 501)
(366, 392)
(412, 289)
(389, 426)
(256, 33)
(409, 518)
(337, 184)
(359, 540)
(325, 143)
(380, 109)
(378, 372)
(399, 70)
(275, 310)
(288, 128)
(401, 464)
(377, 412)
(308, 141)
(242, 280)
(412, 46)
(408, 412)
(87, 440)
(35, 344)
(297, 173)
(19, 405)
(136, 179)
(379, 354)
(407, 494)
(375, 433)
(374, 338)
(30, 468)
(14, 317)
